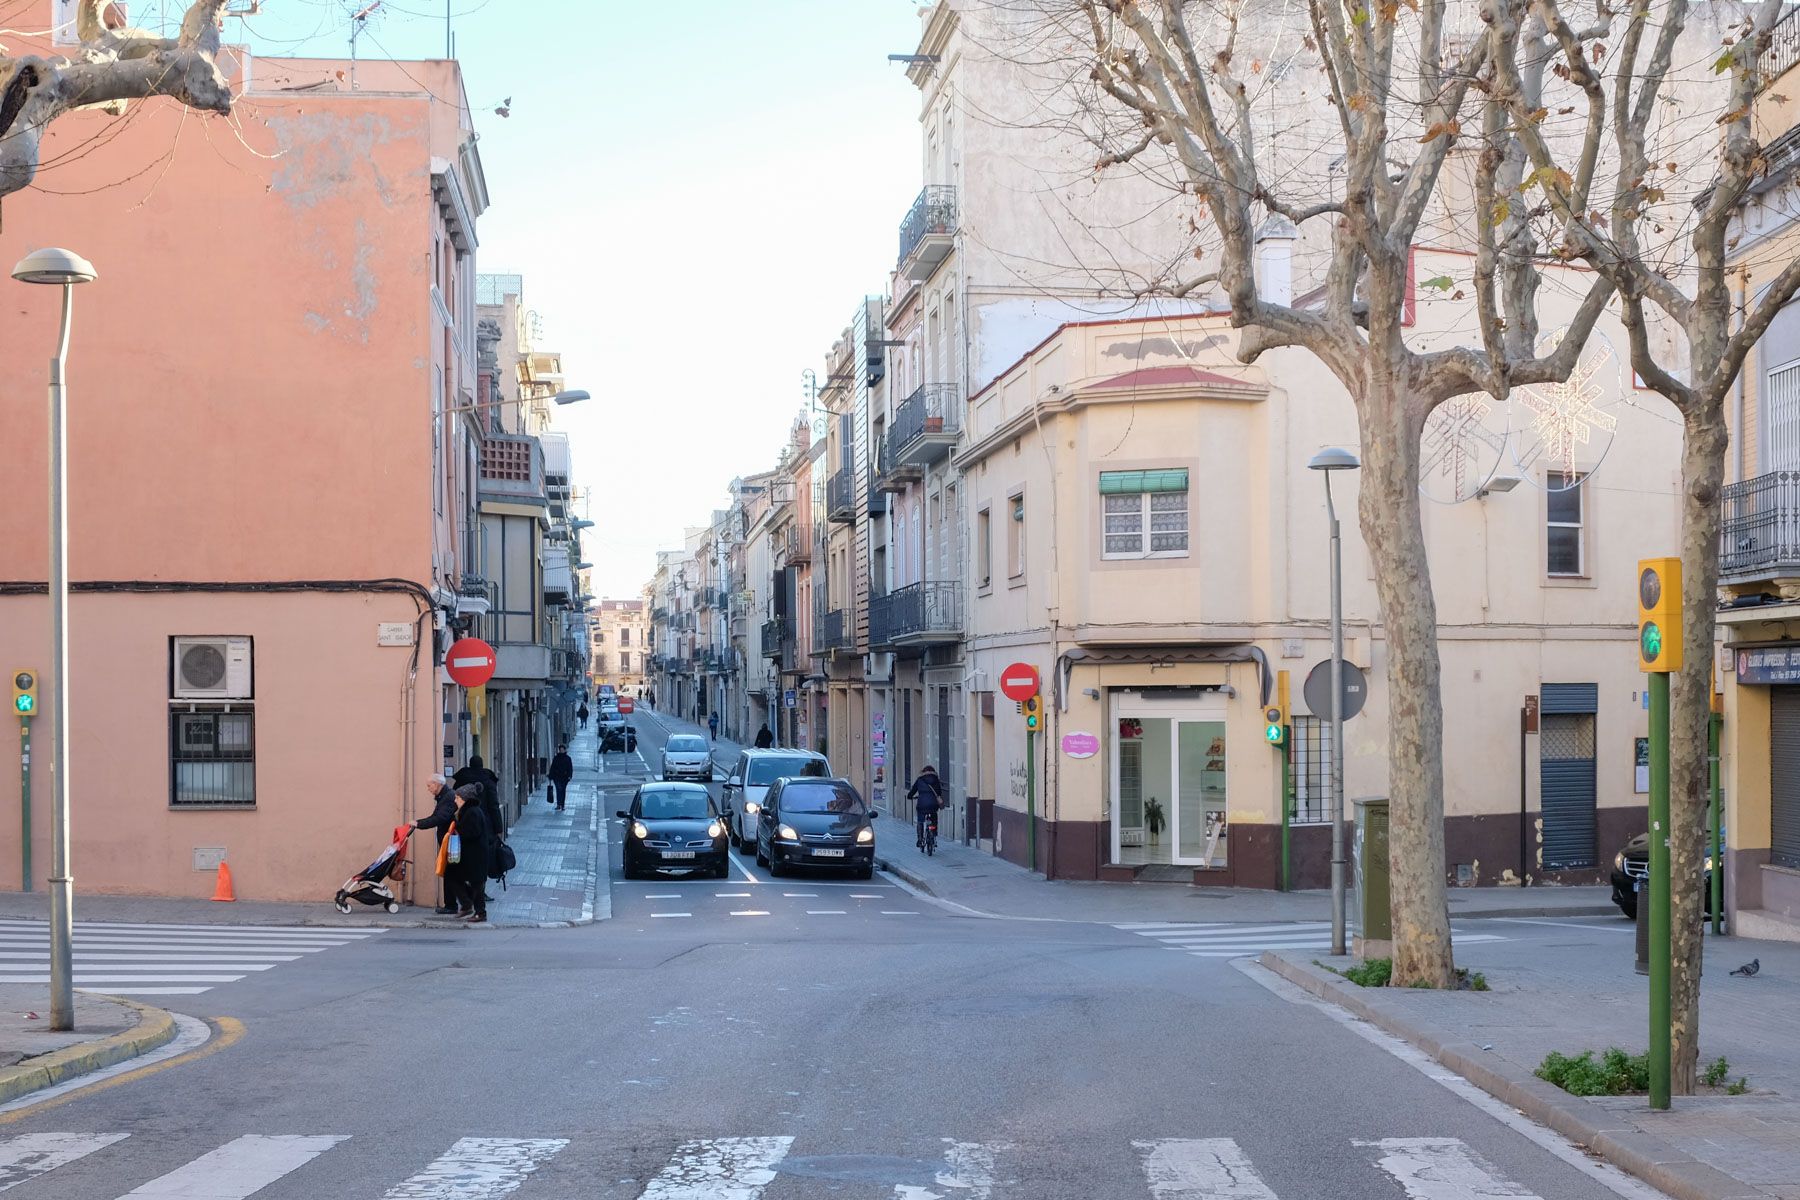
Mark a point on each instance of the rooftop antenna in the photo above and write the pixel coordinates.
(449, 38)
(357, 24)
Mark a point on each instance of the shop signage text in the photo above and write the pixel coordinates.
(1769, 664)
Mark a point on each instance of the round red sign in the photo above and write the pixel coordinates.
(1019, 681)
(470, 662)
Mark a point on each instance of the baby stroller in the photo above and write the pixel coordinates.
(369, 886)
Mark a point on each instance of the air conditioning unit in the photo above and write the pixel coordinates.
(212, 668)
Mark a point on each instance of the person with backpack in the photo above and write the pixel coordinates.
(562, 769)
(927, 795)
(470, 871)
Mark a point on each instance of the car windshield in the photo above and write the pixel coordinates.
(821, 798)
(671, 804)
(687, 744)
(764, 771)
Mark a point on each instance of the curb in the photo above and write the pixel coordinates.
(1587, 1125)
(1581, 910)
(910, 876)
(155, 1028)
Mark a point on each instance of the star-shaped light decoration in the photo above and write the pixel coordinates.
(1569, 426)
(1458, 450)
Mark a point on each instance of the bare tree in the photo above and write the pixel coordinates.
(1625, 95)
(1403, 98)
(113, 64)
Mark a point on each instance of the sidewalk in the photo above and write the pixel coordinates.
(1570, 997)
(107, 1031)
(561, 855)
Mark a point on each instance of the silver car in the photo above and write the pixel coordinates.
(687, 756)
(749, 782)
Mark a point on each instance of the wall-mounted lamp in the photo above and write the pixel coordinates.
(1499, 483)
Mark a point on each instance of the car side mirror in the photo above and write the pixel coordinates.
(623, 815)
(734, 781)
(873, 813)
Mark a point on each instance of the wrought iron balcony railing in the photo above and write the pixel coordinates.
(932, 214)
(1760, 538)
(840, 495)
(1782, 52)
(831, 631)
(917, 614)
(777, 634)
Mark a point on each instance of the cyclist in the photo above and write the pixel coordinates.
(927, 795)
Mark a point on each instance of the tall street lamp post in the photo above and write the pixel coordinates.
(1328, 461)
(64, 269)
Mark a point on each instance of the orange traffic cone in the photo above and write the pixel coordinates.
(223, 890)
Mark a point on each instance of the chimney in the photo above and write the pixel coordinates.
(1275, 259)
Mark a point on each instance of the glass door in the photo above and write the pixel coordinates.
(1199, 834)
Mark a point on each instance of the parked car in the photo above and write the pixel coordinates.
(616, 734)
(674, 827)
(806, 821)
(748, 782)
(687, 756)
(1633, 863)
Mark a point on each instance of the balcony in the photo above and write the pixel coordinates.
(777, 636)
(1783, 50)
(840, 496)
(926, 425)
(831, 631)
(928, 233)
(920, 614)
(512, 470)
(890, 477)
(1760, 542)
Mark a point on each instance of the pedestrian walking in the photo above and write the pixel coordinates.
(927, 795)
(562, 769)
(477, 774)
(443, 814)
(471, 871)
(581, 714)
(764, 739)
(712, 725)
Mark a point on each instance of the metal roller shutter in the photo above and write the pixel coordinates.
(1567, 774)
(1784, 776)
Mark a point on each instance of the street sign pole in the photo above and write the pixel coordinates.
(1030, 800)
(1660, 964)
(1287, 803)
(25, 804)
(1717, 884)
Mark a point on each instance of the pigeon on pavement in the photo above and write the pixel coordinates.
(1750, 968)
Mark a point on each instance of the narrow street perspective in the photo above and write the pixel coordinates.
(900, 600)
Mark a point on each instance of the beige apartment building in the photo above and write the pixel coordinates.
(621, 650)
(1147, 536)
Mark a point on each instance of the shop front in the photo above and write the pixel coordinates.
(1170, 771)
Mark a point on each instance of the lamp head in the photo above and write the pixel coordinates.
(55, 265)
(569, 397)
(1334, 458)
(583, 523)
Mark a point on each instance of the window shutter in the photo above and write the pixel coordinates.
(1114, 483)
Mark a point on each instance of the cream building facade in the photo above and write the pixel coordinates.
(621, 647)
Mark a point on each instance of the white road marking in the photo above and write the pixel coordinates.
(1200, 1169)
(88, 979)
(750, 912)
(478, 1169)
(24, 1158)
(719, 1169)
(664, 896)
(1622, 927)
(746, 870)
(238, 1168)
(1286, 927)
(968, 1171)
(826, 912)
(653, 915)
(145, 991)
(732, 895)
(899, 912)
(13, 922)
(201, 957)
(801, 895)
(1442, 1169)
(866, 896)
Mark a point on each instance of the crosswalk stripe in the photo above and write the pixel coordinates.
(1442, 1169)
(968, 1171)
(1200, 1169)
(161, 960)
(9, 959)
(719, 1169)
(27, 937)
(88, 979)
(26, 1157)
(312, 930)
(1233, 930)
(238, 1168)
(478, 1169)
(147, 991)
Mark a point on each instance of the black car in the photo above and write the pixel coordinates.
(616, 734)
(674, 827)
(1632, 864)
(812, 822)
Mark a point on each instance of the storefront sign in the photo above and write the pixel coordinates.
(1769, 664)
(790, 699)
(1080, 745)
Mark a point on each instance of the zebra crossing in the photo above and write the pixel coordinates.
(123, 959)
(1223, 940)
(742, 1168)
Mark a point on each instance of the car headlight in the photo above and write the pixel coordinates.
(786, 833)
(639, 830)
(1619, 861)
(864, 836)
(751, 808)
(714, 830)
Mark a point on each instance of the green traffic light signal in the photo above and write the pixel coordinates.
(1650, 641)
(25, 704)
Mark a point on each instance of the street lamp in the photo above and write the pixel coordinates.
(65, 269)
(582, 523)
(1329, 460)
(574, 397)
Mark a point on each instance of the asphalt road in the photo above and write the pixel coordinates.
(789, 1039)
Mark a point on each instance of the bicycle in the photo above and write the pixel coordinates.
(928, 835)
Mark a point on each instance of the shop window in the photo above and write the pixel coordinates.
(1145, 514)
(1565, 502)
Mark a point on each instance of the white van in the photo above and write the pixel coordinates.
(749, 782)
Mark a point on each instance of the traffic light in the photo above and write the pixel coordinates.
(1275, 717)
(1034, 713)
(25, 699)
(1659, 615)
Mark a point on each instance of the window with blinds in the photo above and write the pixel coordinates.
(1145, 513)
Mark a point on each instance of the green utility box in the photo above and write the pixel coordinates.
(1370, 857)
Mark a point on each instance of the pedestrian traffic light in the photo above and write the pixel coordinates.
(1275, 717)
(25, 698)
(1659, 615)
(1034, 713)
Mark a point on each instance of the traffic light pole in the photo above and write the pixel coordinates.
(1287, 776)
(1717, 884)
(25, 804)
(1030, 800)
(1660, 965)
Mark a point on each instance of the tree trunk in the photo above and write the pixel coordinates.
(1690, 711)
(1395, 536)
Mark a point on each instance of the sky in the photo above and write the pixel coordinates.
(697, 192)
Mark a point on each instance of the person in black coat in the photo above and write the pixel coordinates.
(562, 769)
(471, 873)
(764, 738)
(442, 813)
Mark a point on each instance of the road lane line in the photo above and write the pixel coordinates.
(746, 870)
(719, 1169)
(1442, 1169)
(899, 912)
(478, 1169)
(663, 896)
(826, 912)
(750, 912)
(866, 896)
(732, 895)
(671, 914)
(239, 1168)
(24, 1158)
(1200, 1169)
(801, 895)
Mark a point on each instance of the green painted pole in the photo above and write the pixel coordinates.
(25, 804)
(1287, 806)
(1030, 800)
(1660, 966)
(1718, 819)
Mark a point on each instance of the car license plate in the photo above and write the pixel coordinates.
(828, 853)
(678, 854)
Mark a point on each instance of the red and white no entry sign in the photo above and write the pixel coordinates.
(470, 662)
(1019, 681)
